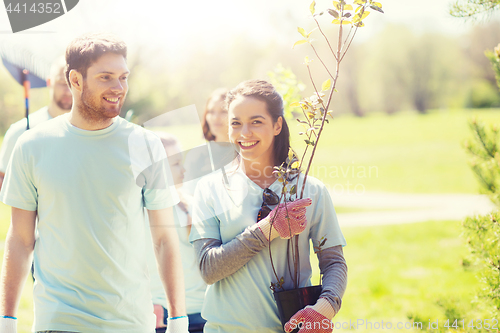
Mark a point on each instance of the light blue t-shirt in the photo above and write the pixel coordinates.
(14, 132)
(243, 302)
(89, 258)
(193, 282)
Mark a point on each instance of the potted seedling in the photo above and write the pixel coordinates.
(315, 110)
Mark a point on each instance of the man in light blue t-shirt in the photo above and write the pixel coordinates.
(88, 175)
(60, 103)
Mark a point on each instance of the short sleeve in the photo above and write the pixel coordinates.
(8, 144)
(205, 222)
(19, 189)
(159, 190)
(324, 223)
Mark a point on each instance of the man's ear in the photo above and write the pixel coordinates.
(49, 82)
(76, 80)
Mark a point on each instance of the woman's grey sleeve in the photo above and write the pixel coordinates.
(218, 261)
(334, 269)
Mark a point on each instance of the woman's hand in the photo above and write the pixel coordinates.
(276, 224)
(313, 319)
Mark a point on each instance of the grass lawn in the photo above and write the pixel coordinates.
(406, 152)
(400, 271)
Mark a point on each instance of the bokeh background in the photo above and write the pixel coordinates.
(393, 157)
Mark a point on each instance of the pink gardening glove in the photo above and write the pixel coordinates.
(313, 319)
(281, 226)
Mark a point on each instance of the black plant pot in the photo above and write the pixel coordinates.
(291, 301)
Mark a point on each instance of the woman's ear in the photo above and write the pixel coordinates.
(278, 125)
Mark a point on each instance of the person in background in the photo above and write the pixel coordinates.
(61, 101)
(214, 122)
(194, 285)
(199, 162)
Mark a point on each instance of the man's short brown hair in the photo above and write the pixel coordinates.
(83, 51)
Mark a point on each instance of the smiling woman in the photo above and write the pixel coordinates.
(234, 225)
(253, 129)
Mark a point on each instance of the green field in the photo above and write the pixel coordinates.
(406, 153)
(399, 271)
(396, 272)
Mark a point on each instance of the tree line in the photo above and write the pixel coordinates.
(396, 70)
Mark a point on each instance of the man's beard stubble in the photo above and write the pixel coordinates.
(90, 109)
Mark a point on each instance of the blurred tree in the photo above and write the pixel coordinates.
(494, 57)
(350, 84)
(385, 79)
(403, 70)
(286, 83)
(473, 8)
(482, 231)
(479, 39)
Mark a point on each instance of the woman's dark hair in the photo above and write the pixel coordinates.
(83, 51)
(217, 95)
(264, 91)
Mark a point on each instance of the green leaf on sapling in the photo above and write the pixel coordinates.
(312, 7)
(334, 13)
(378, 9)
(302, 41)
(326, 85)
(302, 31)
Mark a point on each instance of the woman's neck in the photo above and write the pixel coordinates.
(260, 172)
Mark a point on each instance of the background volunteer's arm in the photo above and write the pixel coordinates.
(218, 261)
(166, 245)
(2, 175)
(17, 258)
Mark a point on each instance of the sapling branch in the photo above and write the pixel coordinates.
(316, 109)
(326, 38)
(347, 37)
(319, 58)
(349, 45)
(273, 218)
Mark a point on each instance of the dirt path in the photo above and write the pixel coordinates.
(392, 208)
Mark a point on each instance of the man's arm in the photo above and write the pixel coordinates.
(17, 258)
(166, 245)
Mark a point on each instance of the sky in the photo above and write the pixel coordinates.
(179, 27)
